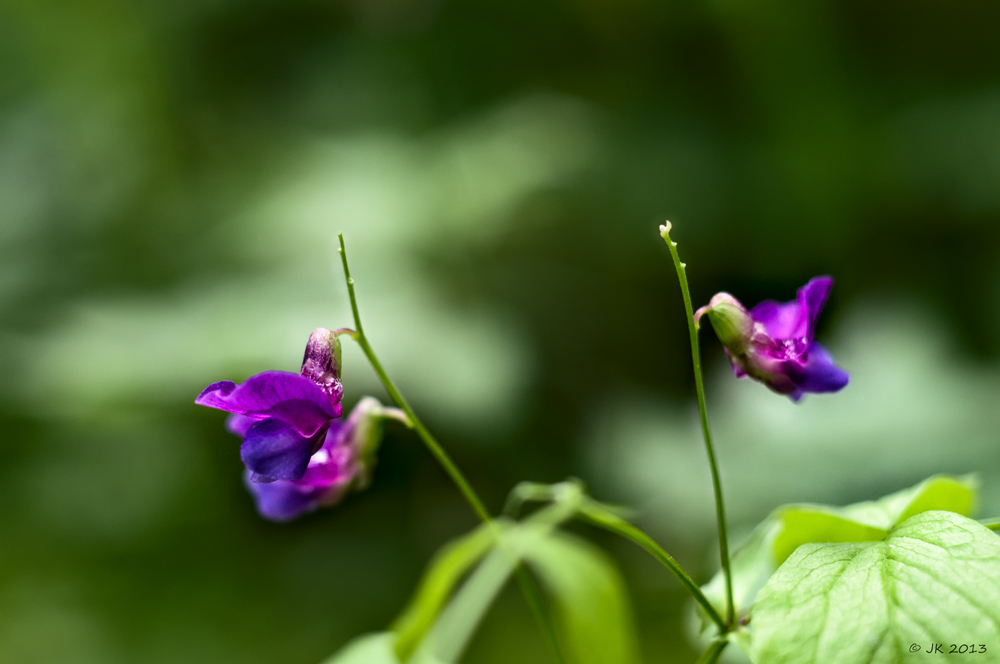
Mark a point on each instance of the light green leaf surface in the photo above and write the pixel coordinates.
(368, 649)
(591, 598)
(790, 526)
(445, 571)
(935, 579)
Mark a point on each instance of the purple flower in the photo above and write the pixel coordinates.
(283, 417)
(773, 343)
(343, 463)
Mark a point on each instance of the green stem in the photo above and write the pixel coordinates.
(397, 398)
(630, 532)
(712, 653)
(720, 509)
(992, 524)
(525, 581)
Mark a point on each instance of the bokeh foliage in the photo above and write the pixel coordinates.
(172, 178)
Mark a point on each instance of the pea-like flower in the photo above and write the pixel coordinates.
(343, 463)
(283, 417)
(773, 342)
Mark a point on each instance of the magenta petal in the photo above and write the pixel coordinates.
(287, 396)
(782, 320)
(216, 394)
(333, 464)
(273, 450)
(239, 424)
(794, 323)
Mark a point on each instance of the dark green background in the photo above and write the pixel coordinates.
(172, 178)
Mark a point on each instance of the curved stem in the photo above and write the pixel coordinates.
(720, 510)
(524, 579)
(435, 448)
(628, 531)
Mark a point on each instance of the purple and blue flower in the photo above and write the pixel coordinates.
(773, 342)
(283, 417)
(298, 453)
(342, 464)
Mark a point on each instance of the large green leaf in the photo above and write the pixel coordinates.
(445, 571)
(935, 579)
(790, 526)
(591, 598)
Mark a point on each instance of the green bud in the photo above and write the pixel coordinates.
(730, 320)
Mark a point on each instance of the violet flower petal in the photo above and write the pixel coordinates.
(820, 373)
(795, 321)
(282, 500)
(331, 471)
(813, 296)
(781, 320)
(274, 450)
(293, 398)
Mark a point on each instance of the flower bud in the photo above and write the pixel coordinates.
(321, 363)
(730, 320)
(362, 432)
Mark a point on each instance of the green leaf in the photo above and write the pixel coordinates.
(448, 637)
(445, 571)
(940, 492)
(592, 601)
(368, 649)
(457, 623)
(790, 526)
(935, 579)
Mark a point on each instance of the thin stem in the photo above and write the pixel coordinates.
(992, 524)
(524, 579)
(630, 532)
(712, 653)
(720, 509)
(435, 448)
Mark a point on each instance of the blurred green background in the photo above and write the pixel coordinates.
(172, 179)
